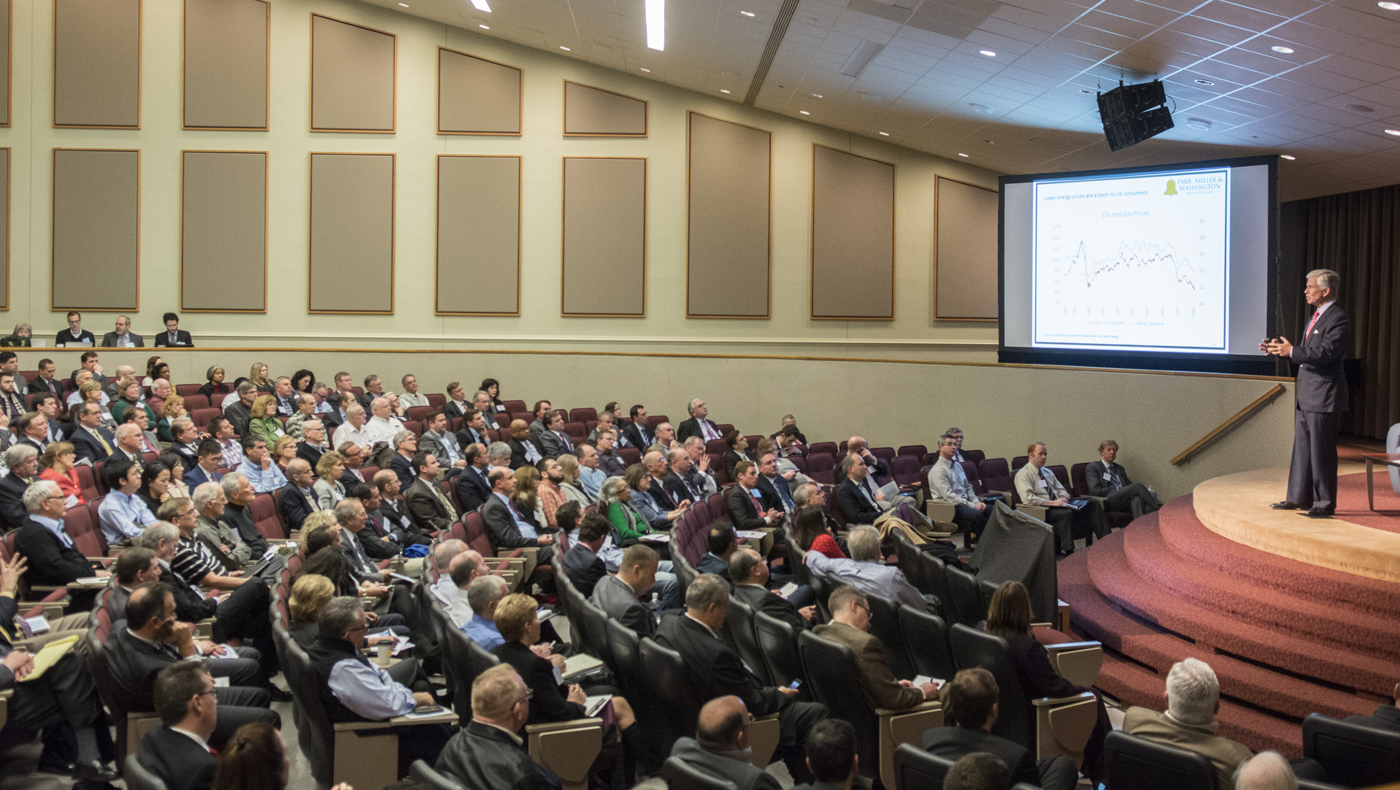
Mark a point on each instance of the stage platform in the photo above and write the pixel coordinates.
(1295, 615)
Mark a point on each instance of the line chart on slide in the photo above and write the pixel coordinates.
(1133, 262)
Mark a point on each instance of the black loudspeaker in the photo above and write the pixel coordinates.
(1133, 113)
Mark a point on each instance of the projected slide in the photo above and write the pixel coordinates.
(1133, 262)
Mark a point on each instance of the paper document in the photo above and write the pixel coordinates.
(920, 680)
(750, 534)
(594, 704)
(89, 581)
(403, 578)
(787, 590)
(656, 538)
(49, 655)
(578, 665)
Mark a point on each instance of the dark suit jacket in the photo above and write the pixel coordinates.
(182, 338)
(50, 562)
(744, 775)
(452, 410)
(548, 705)
(1386, 717)
(404, 469)
(472, 490)
(295, 507)
(955, 742)
(466, 437)
(691, 427)
(310, 453)
(517, 454)
(38, 385)
(373, 542)
(177, 760)
(877, 682)
(760, 599)
(84, 446)
(715, 670)
(501, 524)
(731, 459)
(583, 568)
(197, 476)
(12, 511)
(634, 437)
(855, 507)
(661, 495)
(134, 665)
(425, 508)
(678, 490)
(1321, 385)
(551, 446)
(189, 607)
(616, 597)
(482, 756)
(109, 340)
(742, 510)
(769, 489)
(1096, 477)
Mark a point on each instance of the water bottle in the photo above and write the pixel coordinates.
(654, 606)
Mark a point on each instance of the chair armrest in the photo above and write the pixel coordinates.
(1036, 512)
(568, 748)
(204, 629)
(1077, 662)
(1063, 726)
(50, 609)
(5, 706)
(103, 560)
(1051, 702)
(763, 739)
(1073, 645)
(898, 727)
(940, 512)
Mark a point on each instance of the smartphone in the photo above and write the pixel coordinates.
(427, 709)
(794, 685)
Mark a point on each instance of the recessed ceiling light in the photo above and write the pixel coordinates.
(481, 5)
(722, 90)
(816, 96)
(1283, 50)
(566, 49)
(1395, 132)
(989, 53)
(1389, 6)
(656, 24)
(484, 27)
(884, 134)
(748, 14)
(981, 109)
(963, 155)
(647, 70)
(405, 5)
(1204, 82)
(1286, 156)
(804, 112)
(1360, 108)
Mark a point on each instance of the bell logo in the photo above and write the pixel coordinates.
(1171, 187)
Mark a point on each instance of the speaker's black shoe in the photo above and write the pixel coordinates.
(1319, 512)
(1285, 505)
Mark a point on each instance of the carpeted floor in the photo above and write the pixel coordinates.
(1286, 638)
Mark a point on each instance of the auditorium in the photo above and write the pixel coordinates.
(699, 394)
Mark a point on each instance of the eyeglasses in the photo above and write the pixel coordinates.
(213, 692)
(866, 608)
(529, 694)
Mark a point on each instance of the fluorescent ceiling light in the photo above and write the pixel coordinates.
(804, 112)
(1395, 132)
(750, 14)
(481, 5)
(647, 70)
(1286, 156)
(566, 49)
(1283, 50)
(884, 134)
(722, 90)
(1389, 6)
(988, 53)
(864, 52)
(962, 155)
(656, 24)
(484, 27)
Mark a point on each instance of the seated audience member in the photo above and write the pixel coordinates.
(473, 430)
(615, 500)
(309, 595)
(510, 530)
(405, 445)
(1009, 617)
(439, 441)
(717, 671)
(11, 397)
(173, 334)
(203, 464)
(303, 412)
(262, 419)
(176, 486)
(948, 483)
(283, 451)
(1108, 479)
(352, 688)
(656, 514)
(619, 596)
(750, 575)
(581, 562)
(258, 377)
(970, 710)
(523, 452)
(749, 508)
(258, 467)
(721, 745)
(471, 485)
(239, 411)
(427, 504)
(1037, 485)
(45, 382)
(957, 434)
(609, 462)
(699, 477)
(91, 439)
(354, 457)
(328, 486)
(791, 443)
(237, 520)
(1386, 717)
(810, 528)
(773, 484)
(850, 626)
(493, 420)
(76, 335)
(571, 469)
(178, 752)
(483, 594)
(63, 702)
(865, 570)
(313, 440)
(53, 558)
(978, 771)
(130, 444)
(393, 511)
(553, 441)
(444, 589)
(721, 542)
(153, 640)
(462, 570)
(214, 385)
(665, 438)
(457, 404)
(123, 514)
(543, 410)
(222, 430)
(1265, 771)
(227, 545)
(411, 398)
(551, 496)
(284, 403)
(738, 446)
(488, 752)
(136, 566)
(256, 760)
(605, 422)
(298, 498)
(354, 430)
(699, 423)
(831, 756)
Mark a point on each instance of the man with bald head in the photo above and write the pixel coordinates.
(721, 746)
(488, 753)
(1265, 771)
(464, 568)
(443, 553)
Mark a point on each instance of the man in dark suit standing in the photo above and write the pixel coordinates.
(581, 561)
(717, 671)
(1108, 479)
(698, 424)
(173, 334)
(178, 751)
(970, 702)
(1321, 394)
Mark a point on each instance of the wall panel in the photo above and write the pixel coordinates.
(97, 63)
(226, 64)
(353, 77)
(477, 96)
(5, 226)
(478, 235)
(729, 223)
(594, 112)
(223, 231)
(605, 221)
(965, 252)
(96, 229)
(352, 233)
(852, 236)
(7, 15)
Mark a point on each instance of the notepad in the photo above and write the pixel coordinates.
(751, 534)
(654, 538)
(787, 590)
(49, 655)
(91, 580)
(592, 705)
(920, 680)
(578, 665)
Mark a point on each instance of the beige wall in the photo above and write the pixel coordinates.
(1000, 408)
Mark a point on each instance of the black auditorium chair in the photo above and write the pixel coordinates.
(885, 626)
(926, 636)
(138, 778)
(739, 623)
(681, 775)
(424, 775)
(965, 600)
(916, 769)
(779, 644)
(1354, 755)
(1132, 763)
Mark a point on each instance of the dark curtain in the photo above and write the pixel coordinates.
(1356, 234)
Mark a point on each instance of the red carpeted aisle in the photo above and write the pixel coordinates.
(1285, 638)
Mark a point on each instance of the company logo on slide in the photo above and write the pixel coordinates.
(1171, 187)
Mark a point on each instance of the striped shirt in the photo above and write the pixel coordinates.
(193, 561)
